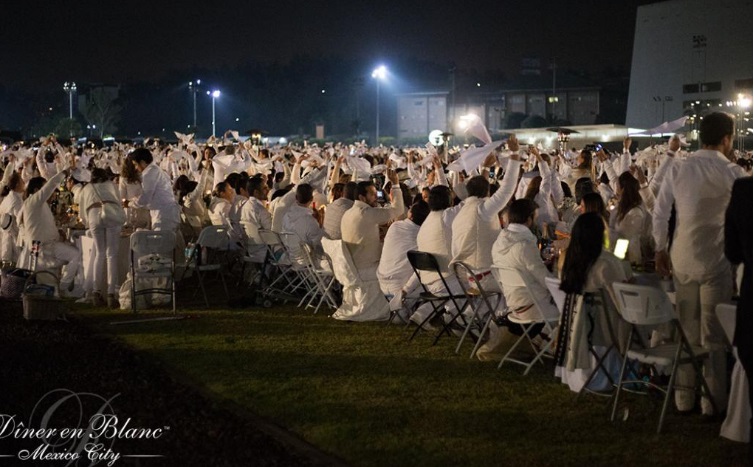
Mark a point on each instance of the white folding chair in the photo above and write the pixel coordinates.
(479, 300)
(286, 279)
(512, 278)
(254, 253)
(159, 243)
(210, 255)
(558, 296)
(642, 305)
(321, 279)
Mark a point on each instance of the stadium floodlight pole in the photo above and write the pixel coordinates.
(378, 74)
(215, 94)
(70, 88)
(194, 88)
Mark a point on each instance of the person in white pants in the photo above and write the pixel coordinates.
(700, 188)
(104, 232)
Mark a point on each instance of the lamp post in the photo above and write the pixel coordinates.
(194, 88)
(215, 94)
(378, 74)
(743, 103)
(70, 88)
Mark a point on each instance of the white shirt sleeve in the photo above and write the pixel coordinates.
(662, 208)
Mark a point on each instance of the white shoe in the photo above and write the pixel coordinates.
(87, 298)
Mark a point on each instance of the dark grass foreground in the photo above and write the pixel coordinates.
(199, 430)
(359, 391)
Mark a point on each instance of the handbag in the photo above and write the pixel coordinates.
(12, 282)
(110, 213)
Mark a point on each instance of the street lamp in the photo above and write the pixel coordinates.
(215, 94)
(379, 74)
(70, 88)
(743, 103)
(194, 88)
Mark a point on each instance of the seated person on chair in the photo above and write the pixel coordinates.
(516, 248)
(39, 225)
(301, 220)
(435, 237)
(360, 228)
(395, 272)
(255, 216)
(588, 270)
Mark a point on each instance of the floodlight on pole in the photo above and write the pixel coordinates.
(379, 74)
(70, 88)
(214, 94)
(194, 88)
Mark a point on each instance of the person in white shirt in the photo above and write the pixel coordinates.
(39, 225)
(631, 220)
(105, 232)
(335, 210)
(283, 203)
(303, 222)
(395, 272)
(129, 187)
(434, 237)
(516, 248)
(360, 224)
(219, 205)
(240, 198)
(549, 195)
(255, 216)
(10, 209)
(477, 224)
(361, 236)
(157, 194)
(700, 188)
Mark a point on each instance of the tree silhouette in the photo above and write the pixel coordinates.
(101, 110)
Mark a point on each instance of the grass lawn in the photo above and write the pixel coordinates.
(364, 393)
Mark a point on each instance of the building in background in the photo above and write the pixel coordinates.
(691, 57)
(421, 112)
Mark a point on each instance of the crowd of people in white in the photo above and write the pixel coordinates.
(542, 213)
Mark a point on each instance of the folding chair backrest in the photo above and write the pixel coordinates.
(144, 242)
(290, 242)
(553, 286)
(423, 261)
(269, 237)
(467, 278)
(643, 304)
(308, 253)
(215, 237)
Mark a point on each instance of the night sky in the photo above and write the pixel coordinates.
(47, 42)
